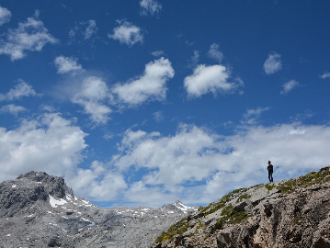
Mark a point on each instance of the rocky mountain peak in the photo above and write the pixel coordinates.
(40, 210)
(54, 186)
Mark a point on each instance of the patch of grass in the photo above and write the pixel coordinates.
(242, 197)
(309, 179)
(230, 216)
(269, 186)
(239, 190)
(178, 228)
(296, 220)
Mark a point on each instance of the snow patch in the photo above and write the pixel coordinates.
(8, 235)
(14, 186)
(170, 212)
(55, 203)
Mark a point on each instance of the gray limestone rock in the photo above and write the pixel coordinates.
(291, 213)
(39, 210)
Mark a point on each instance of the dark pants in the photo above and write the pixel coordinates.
(270, 176)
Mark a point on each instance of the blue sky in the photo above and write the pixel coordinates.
(142, 103)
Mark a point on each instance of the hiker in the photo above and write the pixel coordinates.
(270, 171)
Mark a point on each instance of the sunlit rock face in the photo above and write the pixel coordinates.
(40, 210)
(288, 213)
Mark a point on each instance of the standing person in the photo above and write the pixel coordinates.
(270, 171)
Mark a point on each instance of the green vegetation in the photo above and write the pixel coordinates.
(242, 197)
(296, 220)
(269, 186)
(230, 216)
(311, 178)
(178, 228)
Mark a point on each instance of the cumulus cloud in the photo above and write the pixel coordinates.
(97, 183)
(50, 143)
(90, 29)
(214, 53)
(12, 109)
(196, 160)
(92, 97)
(20, 90)
(127, 33)
(325, 75)
(5, 15)
(150, 6)
(287, 87)
(252, 115)
(150, 86)
(273, 63)
(31, 35)
(207, 79)
(66, 64)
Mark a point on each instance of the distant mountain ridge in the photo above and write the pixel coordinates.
(39, 210)
(291, 213)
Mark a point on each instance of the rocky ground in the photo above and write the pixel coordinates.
(39, 210)
(292, 213)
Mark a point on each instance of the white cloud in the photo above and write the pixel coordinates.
(273, 63)
(195, 162)
(97, 183)
(151, 6)
(5, 15)
(207, 79)
(29, 36)
(252, 115)
(12, 109)
(20, 90)
(287, 87)
(91, 29)
(325, 75)
(150, 86)
(127, 33)
(91, 96)
(159, 117)
(50, 143)
(158, 53)
(214, 53)
(66, 64)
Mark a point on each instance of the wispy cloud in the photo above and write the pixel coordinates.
(127, 33)
(273, 63)
(214, 53)
(31, 35)
(150, 6)
(66, 65)
(158, 116)
(287, 87)
(325, 75)
(150, 86)
(12, 109)
(252, 115)
(207, 79)
(158, 53)
(194, 59)
(90, 29)
(5, 15)
(18, 92)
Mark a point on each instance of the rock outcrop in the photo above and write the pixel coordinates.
(289, 213)
(39, 210)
